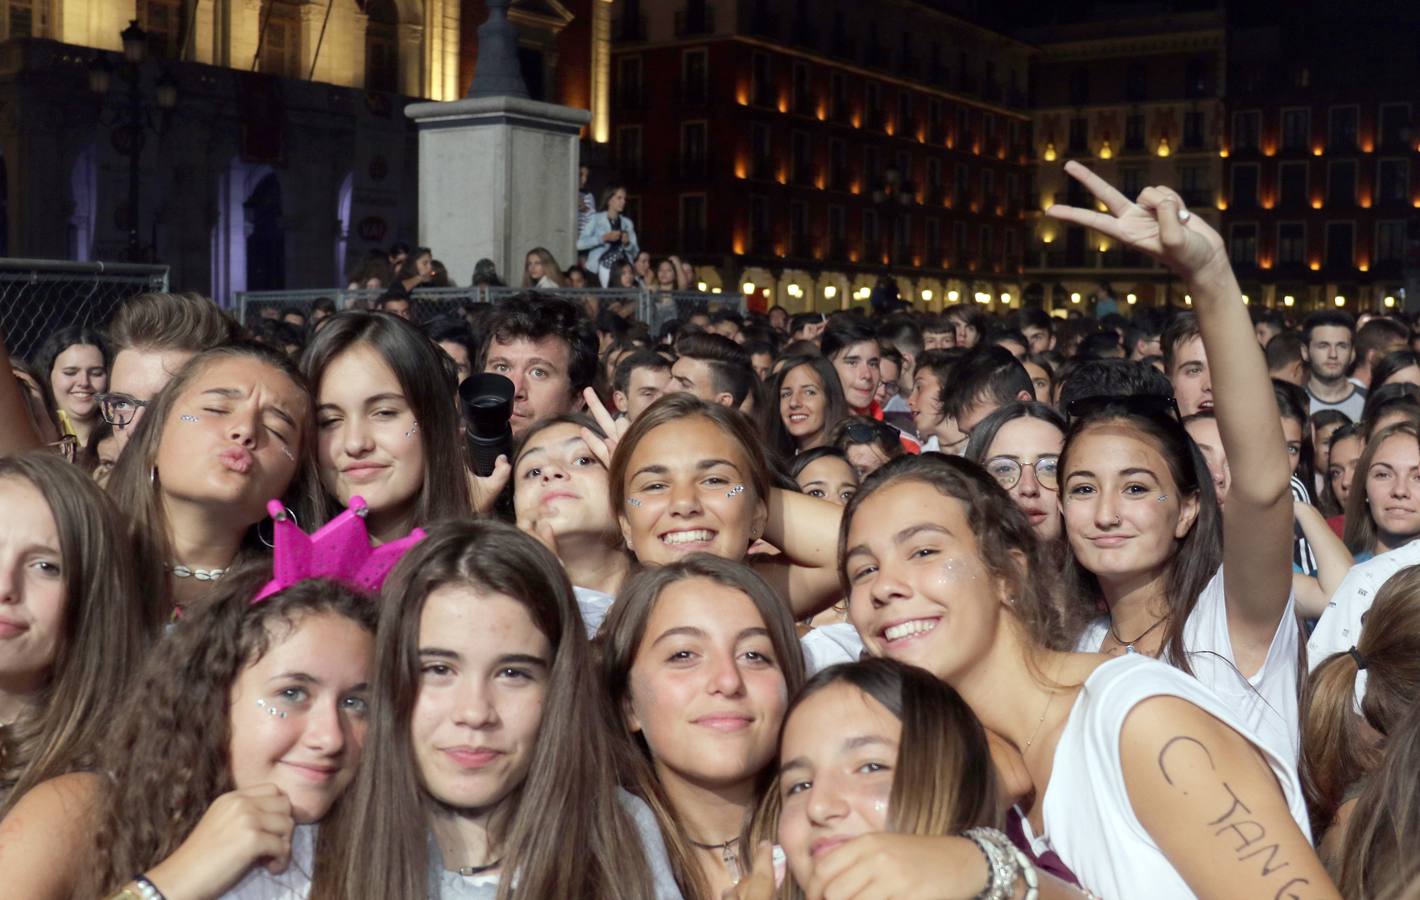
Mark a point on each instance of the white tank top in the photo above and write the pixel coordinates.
(292, 884)
(1266, 703)
(1089, 821)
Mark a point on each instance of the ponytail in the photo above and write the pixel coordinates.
(1335, 751)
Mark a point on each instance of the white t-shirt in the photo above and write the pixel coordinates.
(594, 606)
(1339, 627)
(829, 645)
(1266, 703)
(1089, 820)
(292, 884)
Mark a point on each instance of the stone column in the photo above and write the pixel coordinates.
(497, 177)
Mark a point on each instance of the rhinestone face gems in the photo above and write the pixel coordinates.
(632, 501)
(270, 710)
(735, 491)
(187, 418)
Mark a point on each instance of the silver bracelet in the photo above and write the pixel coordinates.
(1007, 863)
(147, 889)
(1003, 865)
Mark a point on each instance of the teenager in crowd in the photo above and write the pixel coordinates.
(1390, 405)
(967, 324)
(1186, 364)
(231, 431)
(936, 431)
(74, 363)
(873, 755)
(825, 472)
(1343, 453)
(388, 427)
(1383, 505)
(866, 443)
(713, 368)
(1144, 529)
(807, 403)
(243, 731)
(1130, 771)
(489, 772)
(982, 382)
(1323, 425)
(690, 476)
(151, 337)
(541, 271)
(1400, 367)
(851, 344)
(1356, 700)
(1330, 338)
(73, 622)
(1042, 377)
(1019, 446)
(699, 658)
(560, 497)
(641, 377)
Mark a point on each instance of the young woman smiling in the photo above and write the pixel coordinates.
(690, 476)
(388, 425)
(808, 403)
(75, 362)
(244, 730)
(699, 659)
(1144, 529)
(1383, 512)
(1019, 444)
(1134, 773)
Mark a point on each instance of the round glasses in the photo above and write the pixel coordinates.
(119, 409)
(1007, 470)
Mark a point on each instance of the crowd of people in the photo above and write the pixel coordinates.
(910, 605)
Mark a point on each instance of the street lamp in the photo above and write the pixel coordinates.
(134, 120)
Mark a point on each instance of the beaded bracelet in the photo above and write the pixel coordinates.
(1007, 863)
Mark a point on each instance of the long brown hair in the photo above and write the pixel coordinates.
(550, 268)
(166, 757)
(619, 641)
(430, 387)
(1335, 750)
(1196, 557)
(944, 781)
(105, 630)
(563, 833)
(134, 486)
(1008, 545)
(1377, 857)
(1361, 534)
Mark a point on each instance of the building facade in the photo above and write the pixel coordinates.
(796, 151)
(286, 155)
(1322, 164)
(1139, 101)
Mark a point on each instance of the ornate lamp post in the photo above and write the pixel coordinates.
(135, 118)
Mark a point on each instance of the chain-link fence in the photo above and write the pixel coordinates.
(655, 309)
(40, 296)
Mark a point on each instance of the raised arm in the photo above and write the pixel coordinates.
(1212, 804)
(1257, 520)
(805, 530)
(20, 435)
(1333, 560)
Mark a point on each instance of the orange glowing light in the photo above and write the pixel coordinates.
(1222, 203)
(917, 261)
(1318, 150)
(1364, 267)
(854, 188)
(1315, 266)
(976, 147)
(852, 255)
(1268, 203)
(742, 95)
(1316, 203)
(921, 135)
(818, 182)
(782, 177)
(1269, 150)
(857, 120)
(1368, 146)
(887, 258)
(951, 142)
(1223, 152)
(783, 104)
(739, 246)
(821, 113)
(1364, 201)
(741, 170)
(1265, 262)
(889, 127)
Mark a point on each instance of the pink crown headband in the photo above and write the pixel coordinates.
(341, 551)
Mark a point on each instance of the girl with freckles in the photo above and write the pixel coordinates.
(1143, 526)
(699, 658)
(242, 733)
(1130, 771)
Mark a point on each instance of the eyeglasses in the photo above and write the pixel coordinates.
(1150, 406)
(66, 447)
(119, 409)
(1007, 470)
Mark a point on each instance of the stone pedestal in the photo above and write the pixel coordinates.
(497, 177)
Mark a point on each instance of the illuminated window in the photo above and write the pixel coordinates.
(281, 39)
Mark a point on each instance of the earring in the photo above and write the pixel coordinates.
(152, 475)
(271, 544)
